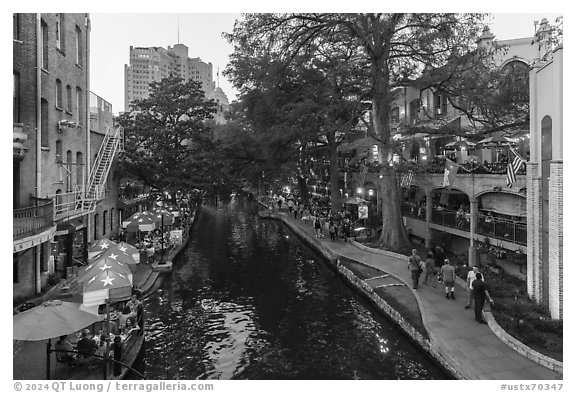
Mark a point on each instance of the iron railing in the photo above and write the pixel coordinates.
(503, 229)
(34, 219)
(451, 218)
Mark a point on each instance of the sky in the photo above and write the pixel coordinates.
(112, 35)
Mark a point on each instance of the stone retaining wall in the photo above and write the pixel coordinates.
(513, 343)
(363, 288)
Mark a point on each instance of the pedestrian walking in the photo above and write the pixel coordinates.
(448, 276)
(469, 280)
(429, 269)
(415, 268)
(480, 293)
(290, 205)
(322, 224)
(317, 226)
(301, 208)
(332, 229)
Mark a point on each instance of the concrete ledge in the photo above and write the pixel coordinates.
(521, 348)
(378, 251)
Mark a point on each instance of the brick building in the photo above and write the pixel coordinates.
(55, 198)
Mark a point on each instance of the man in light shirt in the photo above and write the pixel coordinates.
(469, 280)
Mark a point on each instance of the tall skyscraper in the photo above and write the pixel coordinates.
(152, 64)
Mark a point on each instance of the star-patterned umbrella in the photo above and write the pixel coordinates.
(108, 284)
(119, 254)
(101, 265)
(130, 250)
(142, 223)
(159, 212)
(100, 246)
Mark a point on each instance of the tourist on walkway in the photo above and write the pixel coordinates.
(290, 205)
(317, 226)
(415, 269)
(469, 280)
(332, 229)
(301, 208)
(480, 292)
(296, 211)
(448, 276)
(429, 269)
(322, 224)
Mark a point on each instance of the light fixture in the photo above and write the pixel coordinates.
(371, 192)
(359, 191)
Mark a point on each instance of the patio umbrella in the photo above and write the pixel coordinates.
(119, 256)
(353, 201)
(102, 265)
(497, 139)
(458, 144)
(159, 212)
(106, 285)
(143, 223)
(51, 319)
(130, 250)
(100, 246)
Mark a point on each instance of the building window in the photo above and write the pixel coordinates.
(104, 219)
(79, 108)
(43, 259)
(58, 150)
(69, 99)
(44, 45)
(69, 171)
(59, 94)
(58, 31)
(78, 46)
(414, 110)
(440, 104)
(16, 26)
(79, 169)
(44, 123)
(395, 115)
(16, 99)
(112, 219)
(96, 226)
(58, 203)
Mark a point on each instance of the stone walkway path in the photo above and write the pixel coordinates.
(472, 347)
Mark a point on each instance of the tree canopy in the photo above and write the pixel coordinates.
(168, 143)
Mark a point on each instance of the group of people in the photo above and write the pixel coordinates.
(446, 274)
(89, 349)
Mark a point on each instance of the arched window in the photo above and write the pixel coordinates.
(59, 97)
(395, 115)
(58, 206)
(69, 99)
(79, 169)
(414, 110)
(44, 139)
(69, 167)
(79, 46)
(59, 150)
(96, 218)
(104, 221)
(112, 219)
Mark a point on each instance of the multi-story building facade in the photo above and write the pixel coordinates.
(55, 191)
(524, 220)
(152, 64)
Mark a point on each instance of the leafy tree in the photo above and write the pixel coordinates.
(391, 50)
(168, 144)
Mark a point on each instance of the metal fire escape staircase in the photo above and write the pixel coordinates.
(112, 144)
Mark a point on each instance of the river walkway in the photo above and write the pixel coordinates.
(467, 346)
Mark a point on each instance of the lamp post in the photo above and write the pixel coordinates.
(160, 204)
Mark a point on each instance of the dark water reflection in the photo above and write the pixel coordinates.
(248, 300)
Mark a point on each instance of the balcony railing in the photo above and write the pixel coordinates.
(503, 229)
(28, 221)
(451, 218)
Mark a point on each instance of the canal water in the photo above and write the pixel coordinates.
(248, 300)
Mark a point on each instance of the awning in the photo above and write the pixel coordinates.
(64, 228)
(503, 203)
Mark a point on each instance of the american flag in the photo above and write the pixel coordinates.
(407, 179)
(513, 167)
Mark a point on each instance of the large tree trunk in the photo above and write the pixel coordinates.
(335, 197)
(303, 189)
(394, 234)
